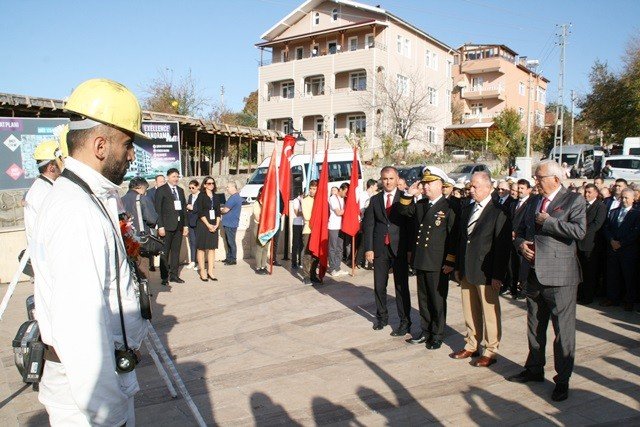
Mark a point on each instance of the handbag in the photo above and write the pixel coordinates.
(150, 245)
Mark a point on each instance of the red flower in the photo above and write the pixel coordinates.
(131, 244)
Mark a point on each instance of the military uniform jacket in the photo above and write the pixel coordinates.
(435, 234)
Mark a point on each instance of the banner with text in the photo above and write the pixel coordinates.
(156, 155)
(18, 138)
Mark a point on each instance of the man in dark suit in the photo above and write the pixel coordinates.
(435, 228)
(160, 181)
(613, 201)
(385, 244)
(481, 265)
(621, 231)
(547, 238)
(519, 269)
(588, 249)
(171, 207)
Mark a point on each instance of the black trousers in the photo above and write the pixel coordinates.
(381, 265)
(172, 246)
(296, 245)
(515, 270)
(622, 275)
(558, 304)
(590, 264)
(433, 288)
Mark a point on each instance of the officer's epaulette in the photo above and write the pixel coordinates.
(406, 200)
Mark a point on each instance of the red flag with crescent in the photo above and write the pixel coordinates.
(285, 171)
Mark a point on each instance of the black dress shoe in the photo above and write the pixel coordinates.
(418, 340)
(525, 377)
(165, 282)
(176, 280)
(152, 268)
(560, 393)
(231, 262)
(379, 325)
(400, 332)
(434, 344)
(276, 264)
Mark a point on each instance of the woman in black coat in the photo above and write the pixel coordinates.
(208, 208)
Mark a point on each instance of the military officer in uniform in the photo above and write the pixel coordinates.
(433, 253)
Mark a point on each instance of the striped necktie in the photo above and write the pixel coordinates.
(473, 219)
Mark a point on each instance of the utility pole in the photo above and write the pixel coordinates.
(222, 96)
(559, 128)
(573, 104)
(531, 67)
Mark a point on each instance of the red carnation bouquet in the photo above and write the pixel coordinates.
(131, 243)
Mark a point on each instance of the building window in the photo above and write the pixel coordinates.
(431, 134)
(427, 58)
(314, 86)
(476, 83)
(431, 60)
(521, 89)
(319, 125)
(353, 43)
(432, 96)
(447, 99)
(299, 52)
(399, 44)
(406, 48)
(434, 61)
(288, 90)
(369, 41)
(357, 124)
(541, 96)
(316, 18)
(287, 126)
(332, 47)
(334, 15)
(539, 117)
(402, 127)
(358, 81)
(315, 50)
(283, 56)
(476, 109)
(521, 112)
(449, 67)
(403, 83)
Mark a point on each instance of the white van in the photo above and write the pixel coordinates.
(580, 157)
(631, 146)
(627, 167)
(339, 172)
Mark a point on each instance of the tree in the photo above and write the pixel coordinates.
(165, 95)
(404, 101)
(613, 105)
(507, 140)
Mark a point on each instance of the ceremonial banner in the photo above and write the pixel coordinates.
(270, 199)
(351, 216)
(319, 223)
(284, 171)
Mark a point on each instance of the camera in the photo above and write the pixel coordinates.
(126, 360)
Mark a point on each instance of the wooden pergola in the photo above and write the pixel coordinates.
(198, 137)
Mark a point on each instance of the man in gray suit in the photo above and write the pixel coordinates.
(547, 238)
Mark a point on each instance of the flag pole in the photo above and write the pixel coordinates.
(353, 256)
(271, 256)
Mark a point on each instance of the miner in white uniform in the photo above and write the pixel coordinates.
(78, 254)
(48, 156)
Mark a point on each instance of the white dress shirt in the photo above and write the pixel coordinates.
(73, 249)
(33, 201)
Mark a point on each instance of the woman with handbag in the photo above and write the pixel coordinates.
(208, 207)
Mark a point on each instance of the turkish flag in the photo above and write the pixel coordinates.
(270, 199)
(319, 223)
(284, 174)
(351, 216)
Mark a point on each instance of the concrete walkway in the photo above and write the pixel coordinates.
(266, 350)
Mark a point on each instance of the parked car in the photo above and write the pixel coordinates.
(627, 167)
(579, 157)
(466, 170)
(461, 154)
(411, 174)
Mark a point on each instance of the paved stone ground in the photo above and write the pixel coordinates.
(266, 350)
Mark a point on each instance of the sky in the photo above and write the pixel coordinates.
(51, 46)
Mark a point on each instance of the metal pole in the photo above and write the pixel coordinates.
(528, 150)
(14, 282)
(161, 370)
(573, 103)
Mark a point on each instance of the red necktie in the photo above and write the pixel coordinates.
(387, 238)
(543, 206)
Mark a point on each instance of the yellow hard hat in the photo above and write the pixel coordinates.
(61, 133)
(108, 102)
(47, 150)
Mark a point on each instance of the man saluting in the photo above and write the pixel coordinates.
(434, 250)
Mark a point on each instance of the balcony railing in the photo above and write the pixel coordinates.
(308, 95)
(483, 90)
(322, 52)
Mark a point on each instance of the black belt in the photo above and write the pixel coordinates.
(50, 354)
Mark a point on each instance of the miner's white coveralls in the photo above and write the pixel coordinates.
(73, 249)
(33, 201)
